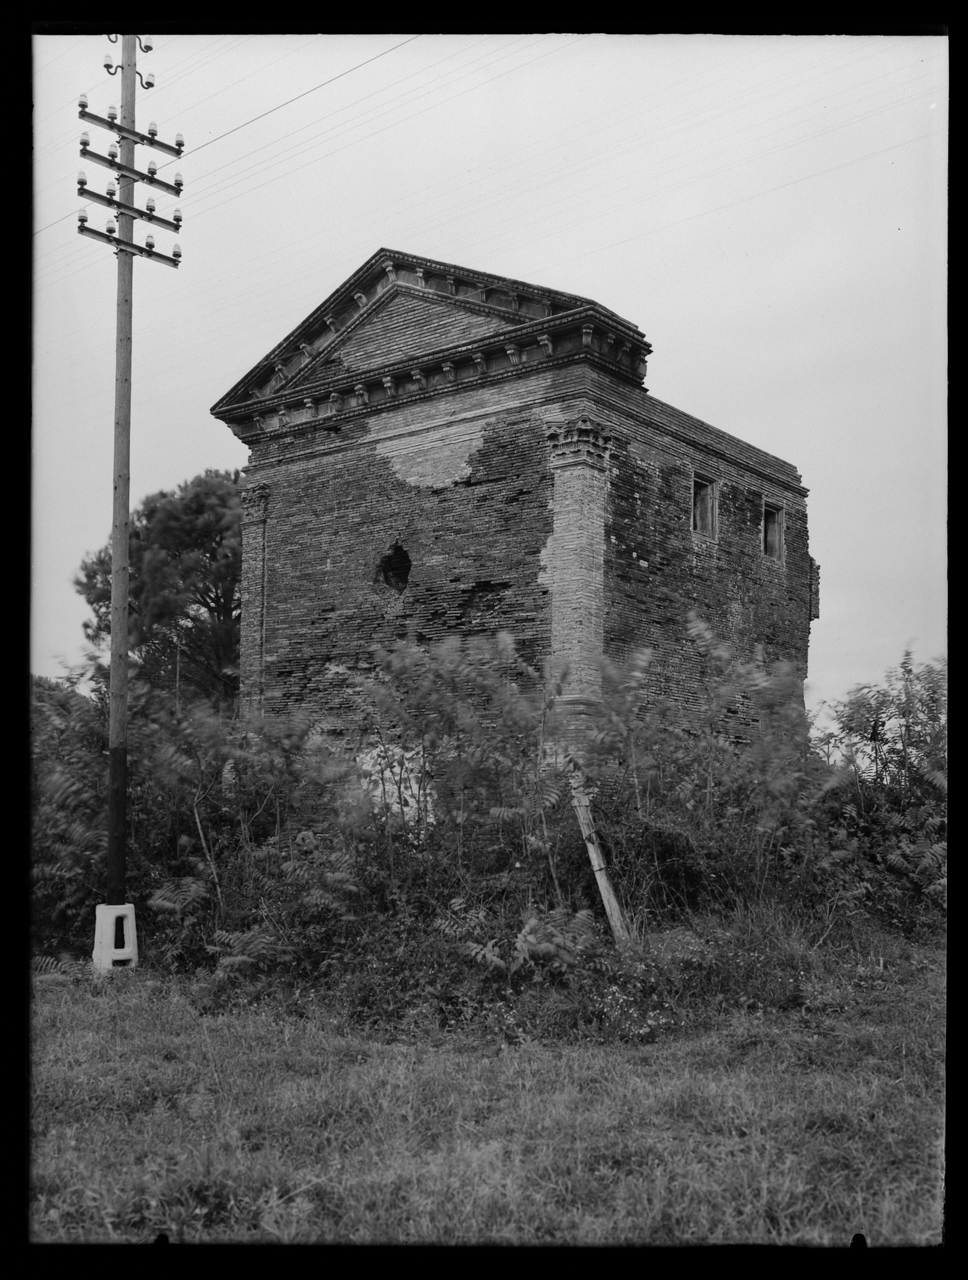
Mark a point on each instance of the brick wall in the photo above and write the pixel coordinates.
(466, 493)
(554, 502)
(407, 325)
(659, 569)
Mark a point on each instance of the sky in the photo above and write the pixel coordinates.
(771, 211)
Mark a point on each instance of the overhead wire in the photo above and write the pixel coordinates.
(394, 124)
(322, 85)
(689, 217)
(682, 123)
(655, 229)
(45, 255)
(202, 177)
(655, 192)
(288, 102)
(172, 76)
(196, 211)
(571, 199)
(755, 195)
(157, 377)
(274, 143)
(202, 212)
(651, 230)
(717, 206)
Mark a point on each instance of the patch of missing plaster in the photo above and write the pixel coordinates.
(434, 459)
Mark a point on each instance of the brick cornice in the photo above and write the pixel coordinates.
(587, 333)
(390, 272)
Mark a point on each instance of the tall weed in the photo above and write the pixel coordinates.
(440, 873)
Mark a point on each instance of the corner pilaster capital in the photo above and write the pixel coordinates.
(255, 500)
(577, 442)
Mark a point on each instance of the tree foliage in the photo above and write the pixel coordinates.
(889, 802)
(69, 786)
(896, 734)
(184, 606)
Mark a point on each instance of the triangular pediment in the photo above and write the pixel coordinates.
(400, 326)
(392, 309)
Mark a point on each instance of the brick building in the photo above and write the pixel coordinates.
(435, 449)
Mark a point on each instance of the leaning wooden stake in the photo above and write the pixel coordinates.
(614, 912)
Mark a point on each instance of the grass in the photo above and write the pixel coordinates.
(798, 1127)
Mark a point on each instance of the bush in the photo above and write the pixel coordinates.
(69, 782)
(442, 880)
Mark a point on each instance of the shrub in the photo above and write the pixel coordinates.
(443, 880)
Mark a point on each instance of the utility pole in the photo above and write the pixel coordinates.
(115, 937)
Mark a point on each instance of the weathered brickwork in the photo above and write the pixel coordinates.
(437, 450)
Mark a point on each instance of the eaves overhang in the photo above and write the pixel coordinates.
(510, 301)
(588, 333)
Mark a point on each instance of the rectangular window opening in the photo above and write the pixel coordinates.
(704, 506)
(772, 531)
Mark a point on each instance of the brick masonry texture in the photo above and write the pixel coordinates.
(407, 325)
(527, 483)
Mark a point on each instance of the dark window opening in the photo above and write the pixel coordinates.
(395, 568)
(772, 531)
(704, 507)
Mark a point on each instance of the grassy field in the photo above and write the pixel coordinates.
(797, 1127)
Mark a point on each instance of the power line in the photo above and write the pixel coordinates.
(755, 195)
(275, 142)
(279, 107)
(653, 133)
(202, 55)
(331, 80)
(200, 212)
(288, 308)
(663, 226)
(403, 120)
(279, 278)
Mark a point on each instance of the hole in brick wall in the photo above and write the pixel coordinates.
(395, 568)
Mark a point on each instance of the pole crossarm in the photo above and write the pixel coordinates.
(146, 139)
(129, 209)
(128, 246)
(126, 171)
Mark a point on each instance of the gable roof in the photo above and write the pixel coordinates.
(397, 307)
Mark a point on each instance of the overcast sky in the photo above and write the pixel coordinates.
(770, 211)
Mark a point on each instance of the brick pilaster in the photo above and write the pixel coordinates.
(574, 558)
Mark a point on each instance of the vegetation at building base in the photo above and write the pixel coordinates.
(426, 886)
(435, 868)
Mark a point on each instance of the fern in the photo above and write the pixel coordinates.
(179, 895)
(251, 946)
(555, 941)
(61, 968)
(486, 954)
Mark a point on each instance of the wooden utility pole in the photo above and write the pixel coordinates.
(118, 724)
(117, 935)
